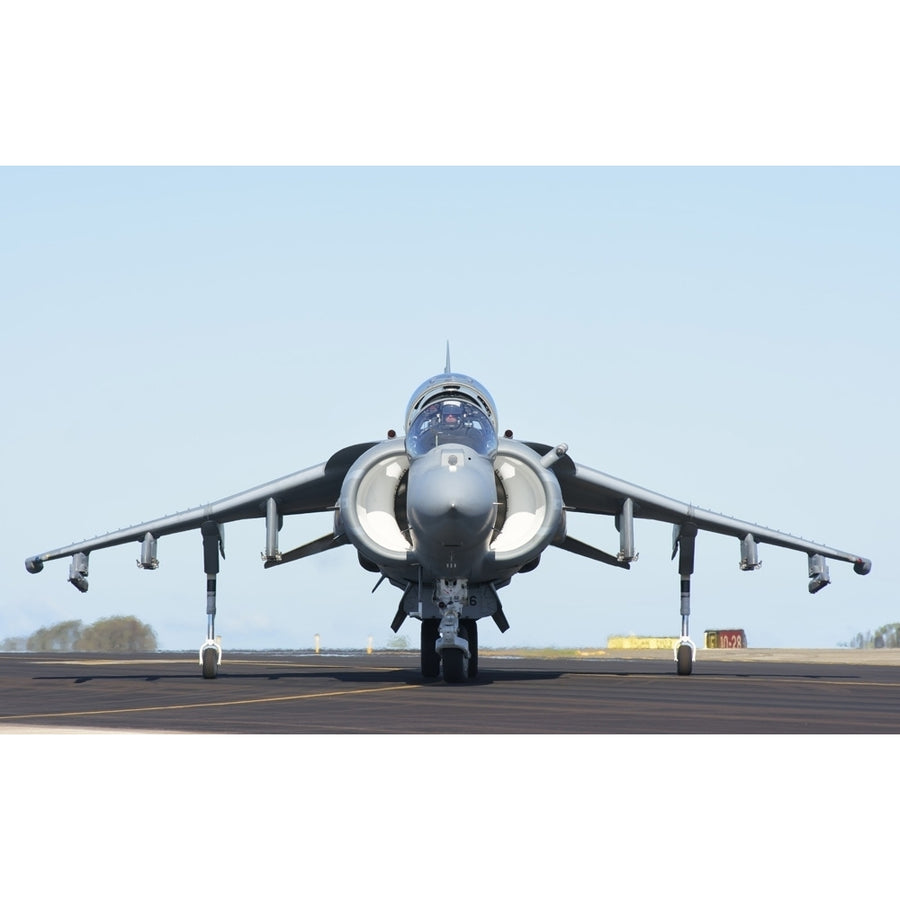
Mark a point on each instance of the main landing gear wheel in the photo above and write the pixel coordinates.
(210, 662)
(431, 659)
(685, 659)
(470, 632)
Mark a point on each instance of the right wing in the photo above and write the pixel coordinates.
(316, 489)
(588, 490)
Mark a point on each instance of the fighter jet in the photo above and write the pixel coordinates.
(448, 514)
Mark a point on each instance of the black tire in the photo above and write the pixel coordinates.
(431, 659)
(685, 659)
(210, 662)
(469, 631)
(455, 669)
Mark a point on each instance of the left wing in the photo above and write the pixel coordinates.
(588, 490)
(315, 489)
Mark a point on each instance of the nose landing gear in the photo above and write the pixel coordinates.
(450, 644)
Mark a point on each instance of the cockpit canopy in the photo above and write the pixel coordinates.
(451, 409)
(451, 421)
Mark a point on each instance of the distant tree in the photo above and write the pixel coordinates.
(885, 636)
(117, 633)
(888, 635)
(14, 644)
(61, 636)
(398, 642)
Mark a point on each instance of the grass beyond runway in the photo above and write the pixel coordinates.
(884, 657)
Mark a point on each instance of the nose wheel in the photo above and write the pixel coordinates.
(456, 666)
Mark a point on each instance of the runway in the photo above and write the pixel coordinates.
(605, 692)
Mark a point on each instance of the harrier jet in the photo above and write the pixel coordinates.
(448, 514)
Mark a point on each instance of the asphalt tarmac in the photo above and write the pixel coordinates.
(619, 692)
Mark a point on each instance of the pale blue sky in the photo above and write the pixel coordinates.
(723, 336)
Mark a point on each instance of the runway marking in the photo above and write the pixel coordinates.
(732, 679)
(171, 707)
(107, 662)
(227, 664)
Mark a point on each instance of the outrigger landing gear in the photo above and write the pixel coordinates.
(211, 652)
(685, 650)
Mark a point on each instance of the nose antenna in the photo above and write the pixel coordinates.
(447, 367)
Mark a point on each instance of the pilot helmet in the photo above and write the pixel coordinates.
(452, 414)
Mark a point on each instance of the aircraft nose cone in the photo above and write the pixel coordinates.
(451, 497)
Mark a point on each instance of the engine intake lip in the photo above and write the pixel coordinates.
(367, 504)
(537, 537)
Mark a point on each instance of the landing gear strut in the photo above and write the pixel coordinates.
(211, 652)
(685, 650)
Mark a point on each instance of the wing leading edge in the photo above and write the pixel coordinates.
(591, 491)
(315, 489)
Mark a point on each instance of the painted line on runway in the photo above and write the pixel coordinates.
(228, 663)
(732, 679)
(209, 705)
(130, 661)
